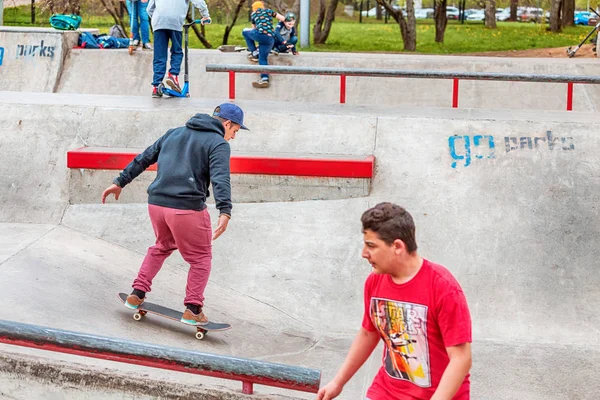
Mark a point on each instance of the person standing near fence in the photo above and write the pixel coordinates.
(139, 24)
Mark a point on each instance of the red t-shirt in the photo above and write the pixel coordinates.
(417, 320)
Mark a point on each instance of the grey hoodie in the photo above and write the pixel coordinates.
(170, 14)
(189, 158)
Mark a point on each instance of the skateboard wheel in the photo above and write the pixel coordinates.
(137, 316)
(199, 335)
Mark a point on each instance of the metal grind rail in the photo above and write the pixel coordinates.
(249, 372)
(570, 80)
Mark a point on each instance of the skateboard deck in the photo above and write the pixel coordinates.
(147, 307)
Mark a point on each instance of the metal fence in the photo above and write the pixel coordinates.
(570, 80)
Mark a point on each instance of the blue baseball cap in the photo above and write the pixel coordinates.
(231, 112)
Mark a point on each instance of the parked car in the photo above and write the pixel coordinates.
(373, 11)
(452, 12)
(582, 17)
(479, 15)
(533, 15)
(423, 13)
(503, 15)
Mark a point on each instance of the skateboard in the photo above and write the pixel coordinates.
(146, 307)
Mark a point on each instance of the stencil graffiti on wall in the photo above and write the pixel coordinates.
(1, 55)
(30, 50)
(465, 149)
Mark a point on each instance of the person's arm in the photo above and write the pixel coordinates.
(220, 177)
(279, 16)
(150, 8)
(201, 5)
(278, 37)
(362, 347)
(138, 165)
(455, 372)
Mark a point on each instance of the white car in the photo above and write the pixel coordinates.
(503, 15)
(373, 11)
(452, 12)
(479, 15)
(423, 13)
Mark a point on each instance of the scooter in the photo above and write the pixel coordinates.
(185, 90)
(570, 51)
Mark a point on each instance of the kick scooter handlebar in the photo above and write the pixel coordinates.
(199, 21)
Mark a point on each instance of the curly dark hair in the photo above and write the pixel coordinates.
(390, 222)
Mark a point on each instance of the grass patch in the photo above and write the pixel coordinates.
(375, 36)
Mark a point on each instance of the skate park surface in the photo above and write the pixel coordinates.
(505, 197)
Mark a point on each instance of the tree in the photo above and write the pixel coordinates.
(282, 7)
(441, 19)
(229, 27)
(408, 25)
(324, 21)
(568, 14)
(490, 14)
(514, 4)
(62, 6)
(115, 9)
(555, 16)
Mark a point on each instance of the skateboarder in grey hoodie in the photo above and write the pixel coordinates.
(168, 17)
(189, 159)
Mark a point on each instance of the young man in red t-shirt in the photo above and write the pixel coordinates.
(419, 311)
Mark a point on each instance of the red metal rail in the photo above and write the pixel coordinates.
(347, 167)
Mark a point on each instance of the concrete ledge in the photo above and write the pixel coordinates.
(42, 375)
(86, 186)
(33, 57)
(329, 167)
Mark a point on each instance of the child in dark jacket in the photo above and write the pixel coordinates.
(285, 35)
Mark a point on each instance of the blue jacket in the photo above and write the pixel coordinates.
(279, 38)
(189, 159)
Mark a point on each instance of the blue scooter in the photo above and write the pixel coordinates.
(185, 90)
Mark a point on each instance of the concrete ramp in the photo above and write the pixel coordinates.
(134, 77)
(507, 200)
(31, 59)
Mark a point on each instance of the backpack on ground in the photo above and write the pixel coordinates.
(117, 32)
(65, 22)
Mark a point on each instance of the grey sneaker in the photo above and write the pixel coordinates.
(147, 46)
(136, 43)
(252, 57)
(261, 84)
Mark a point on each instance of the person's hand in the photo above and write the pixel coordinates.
(330, 391)
(221, 226)
(112, 189)
(289, 46)
(205, 21)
